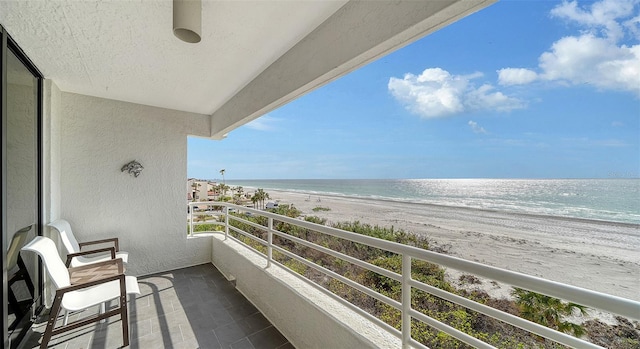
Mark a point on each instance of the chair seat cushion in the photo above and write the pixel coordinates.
(89, 259)
(81, 299)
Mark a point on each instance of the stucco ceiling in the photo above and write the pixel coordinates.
(126, 50)
(254, 55)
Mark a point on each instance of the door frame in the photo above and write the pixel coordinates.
(9, 45)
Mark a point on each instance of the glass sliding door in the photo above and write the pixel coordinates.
(21, 134)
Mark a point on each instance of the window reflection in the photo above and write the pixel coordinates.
(21, 191)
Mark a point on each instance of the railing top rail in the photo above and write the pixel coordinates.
(582, 296)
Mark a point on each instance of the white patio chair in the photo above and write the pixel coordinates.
(95, 291)
(76, 257)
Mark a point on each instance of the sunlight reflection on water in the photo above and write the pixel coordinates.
(602, 199)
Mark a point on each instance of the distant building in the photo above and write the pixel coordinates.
(201, 190)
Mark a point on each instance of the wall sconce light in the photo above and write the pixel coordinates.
(187, 20)
(134, 168)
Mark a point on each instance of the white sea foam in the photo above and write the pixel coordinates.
(616, 200)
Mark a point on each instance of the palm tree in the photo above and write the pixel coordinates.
(266, 197)
(238, 194)
(222, 173)
(223, 188)
(548, 311)
(260, 196)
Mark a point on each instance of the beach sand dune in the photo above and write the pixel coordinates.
(601, 256)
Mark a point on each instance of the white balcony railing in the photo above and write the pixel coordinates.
(608, 303)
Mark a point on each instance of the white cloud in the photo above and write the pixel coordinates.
(263, 123)
(591, 60)
(516, 76)
(596, 56)
(483, 98)
(477, 128)
(437, 93)
(434, 93)
(601, 16)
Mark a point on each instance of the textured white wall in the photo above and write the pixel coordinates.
(51, 120)
(97, 137)
(51, 150)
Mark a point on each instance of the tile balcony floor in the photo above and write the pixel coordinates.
(194, 307)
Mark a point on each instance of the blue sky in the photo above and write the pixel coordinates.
(521, 89)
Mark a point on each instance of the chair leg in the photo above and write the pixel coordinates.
(66, 318)
(124, 315)
(26, 277)
(103, 309)
(53, 316)
(14, 305)
(14, 308)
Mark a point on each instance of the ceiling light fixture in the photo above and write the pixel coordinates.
(187, 20)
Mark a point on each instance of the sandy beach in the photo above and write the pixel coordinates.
(601, 256)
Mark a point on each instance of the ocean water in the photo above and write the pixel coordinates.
(616, 200)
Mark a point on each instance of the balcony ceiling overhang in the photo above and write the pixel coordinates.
(254, 55)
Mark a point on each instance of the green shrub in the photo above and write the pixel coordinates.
(316, 220)
(205, 227)
(548, 311)
(542, 309)
(286, 210)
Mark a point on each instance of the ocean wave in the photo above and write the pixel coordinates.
(606, 200)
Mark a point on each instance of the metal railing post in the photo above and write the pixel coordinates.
(190, 219)
(270, 242)
(406, 300)
(608, 303)
(226, 222)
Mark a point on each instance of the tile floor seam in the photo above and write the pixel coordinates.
(151, 320)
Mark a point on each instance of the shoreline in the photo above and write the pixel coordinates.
(593, 254)
(409, 202)
(626, 222)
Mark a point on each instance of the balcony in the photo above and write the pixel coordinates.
(184, 308)
(199, 306)
(92, 110)
(259, 241)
